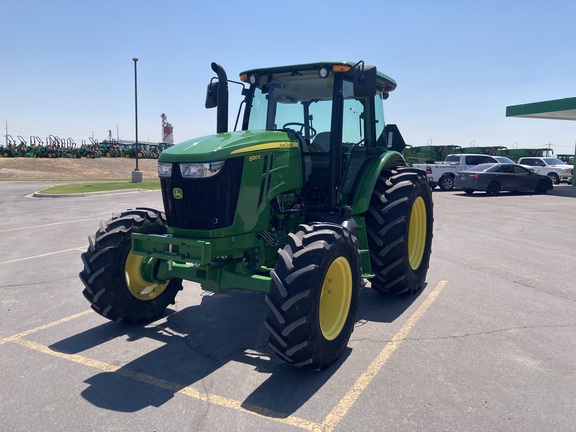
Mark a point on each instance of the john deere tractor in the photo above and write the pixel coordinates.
(304, 202)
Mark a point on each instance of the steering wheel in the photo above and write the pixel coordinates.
(302, 127)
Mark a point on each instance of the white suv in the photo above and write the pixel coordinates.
(554, 168)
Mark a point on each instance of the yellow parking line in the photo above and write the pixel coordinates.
(176, 388)
(329, 423)
(45, 209)
(168, 385)
(47, 225)
(366, 378)
(80, 248)
(45, 326)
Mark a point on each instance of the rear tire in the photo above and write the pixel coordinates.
(314, 295)
(399, 224)
(493, 189)
(114, 285)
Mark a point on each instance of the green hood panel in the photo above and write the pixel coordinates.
(226, 145)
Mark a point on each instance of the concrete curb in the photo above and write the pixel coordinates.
(563, 190)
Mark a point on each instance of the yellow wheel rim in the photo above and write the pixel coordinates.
(417, 233)
(137, 285)
(335, 298)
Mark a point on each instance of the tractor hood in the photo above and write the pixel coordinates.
(227, 145)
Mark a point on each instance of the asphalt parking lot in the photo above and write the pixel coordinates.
(488, 344)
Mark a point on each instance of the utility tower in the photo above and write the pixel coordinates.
(167, 130)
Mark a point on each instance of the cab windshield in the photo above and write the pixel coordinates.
(303, 103)
(273, 111)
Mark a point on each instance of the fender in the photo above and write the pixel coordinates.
(366, 183)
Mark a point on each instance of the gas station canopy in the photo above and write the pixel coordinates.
(559, 109)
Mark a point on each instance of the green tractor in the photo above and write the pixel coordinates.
(307, 200)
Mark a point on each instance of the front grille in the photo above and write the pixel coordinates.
(205, 203)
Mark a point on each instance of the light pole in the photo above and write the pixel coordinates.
(136, 174)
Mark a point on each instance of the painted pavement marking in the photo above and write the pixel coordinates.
(327, 425)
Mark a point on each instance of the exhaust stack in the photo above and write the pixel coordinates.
(222, 95)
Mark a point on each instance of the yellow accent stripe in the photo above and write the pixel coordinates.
(269, 146)
(369, 374)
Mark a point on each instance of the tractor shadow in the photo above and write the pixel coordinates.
(192, 344)
(376, 306)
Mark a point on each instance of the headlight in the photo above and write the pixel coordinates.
(164, 169)
(200, 170)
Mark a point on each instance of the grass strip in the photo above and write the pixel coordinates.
(100, 186)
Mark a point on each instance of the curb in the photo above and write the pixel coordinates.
(564, 191)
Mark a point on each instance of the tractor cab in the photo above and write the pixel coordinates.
(333, 110)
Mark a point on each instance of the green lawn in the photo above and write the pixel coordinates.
(100, 186)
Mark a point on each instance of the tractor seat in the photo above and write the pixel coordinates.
(321, 142)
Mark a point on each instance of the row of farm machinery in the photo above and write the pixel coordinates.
(56, 147)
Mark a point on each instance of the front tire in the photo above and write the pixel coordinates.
(446, 183)
(399, 224)
(541, 187)
(114, 285)
(554, 177)
(314, 295)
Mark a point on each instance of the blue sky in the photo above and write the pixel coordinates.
(67, 66)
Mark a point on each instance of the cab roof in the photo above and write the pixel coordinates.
(384, 82)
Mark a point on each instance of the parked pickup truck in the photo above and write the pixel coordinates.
(442, 173)
(554, 168)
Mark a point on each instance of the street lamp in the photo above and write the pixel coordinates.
(136, 174)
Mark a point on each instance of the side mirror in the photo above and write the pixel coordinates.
(212, 95)
(364, 81)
